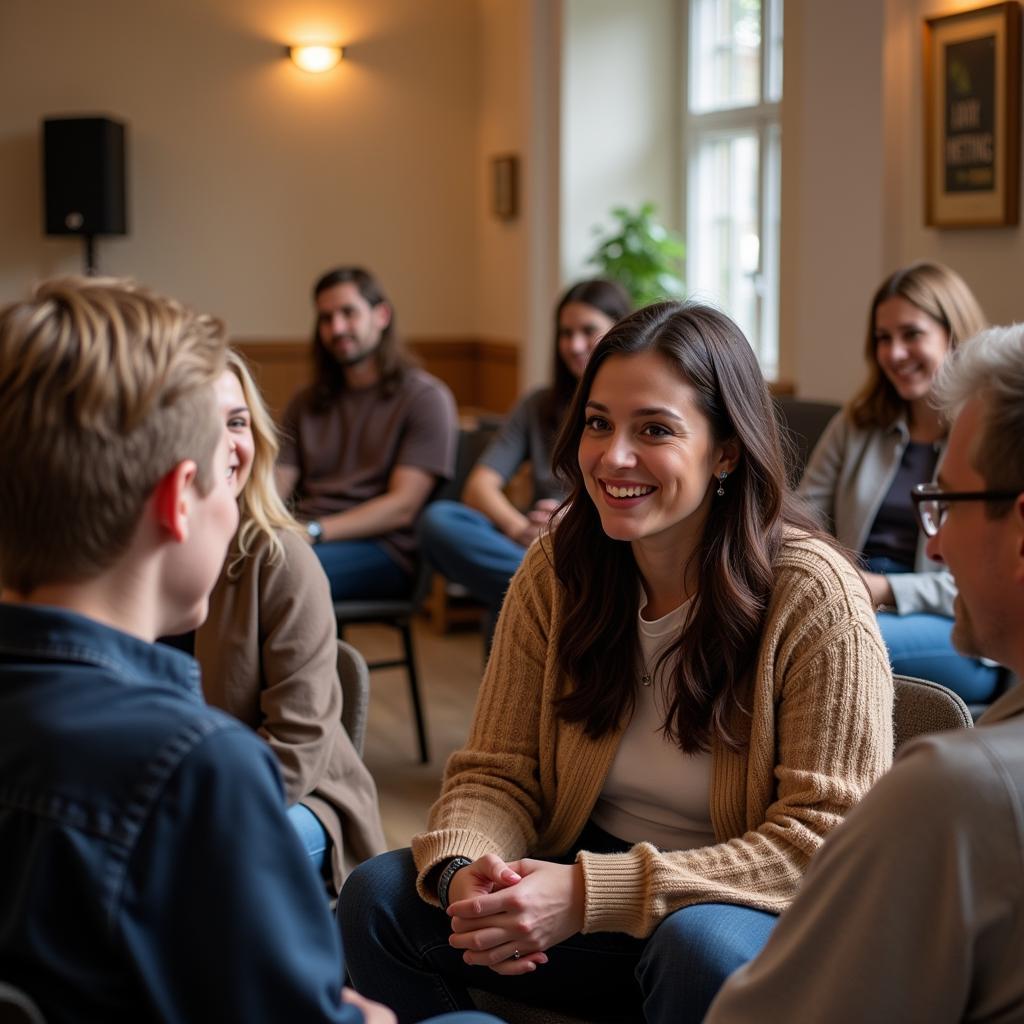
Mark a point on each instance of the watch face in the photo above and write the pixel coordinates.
(314, 529)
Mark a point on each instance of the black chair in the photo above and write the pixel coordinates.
(398, 612)
(803, 423)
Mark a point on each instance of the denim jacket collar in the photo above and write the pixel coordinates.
(36, 630)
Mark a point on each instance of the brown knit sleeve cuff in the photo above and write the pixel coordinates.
(430, 848)
(613, 886)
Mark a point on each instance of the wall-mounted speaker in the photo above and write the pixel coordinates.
(84, 176)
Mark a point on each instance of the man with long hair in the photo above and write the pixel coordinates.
(914, 908)
(366, 444)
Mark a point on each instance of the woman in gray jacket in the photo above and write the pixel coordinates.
(886, 440)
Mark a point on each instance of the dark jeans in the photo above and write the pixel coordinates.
(397, 952)
(362, 570)
(467, 548)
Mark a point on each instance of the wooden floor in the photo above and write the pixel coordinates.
(450, 669)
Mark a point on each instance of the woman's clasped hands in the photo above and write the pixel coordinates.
(505, 915)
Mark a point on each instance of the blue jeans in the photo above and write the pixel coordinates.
(362, 570)
(312, 834)
(919, 645)
(397, 952)
(467, 548)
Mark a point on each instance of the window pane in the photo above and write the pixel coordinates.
(725, 54)
(724, 250)
(773, 55)
(767, 344)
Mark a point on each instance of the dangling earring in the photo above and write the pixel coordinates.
(721, 481)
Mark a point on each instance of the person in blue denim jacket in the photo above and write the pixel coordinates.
(148, 870)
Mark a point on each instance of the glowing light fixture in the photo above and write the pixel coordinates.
(316, 58)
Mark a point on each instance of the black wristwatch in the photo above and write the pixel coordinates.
(455, 864)
(315, 531)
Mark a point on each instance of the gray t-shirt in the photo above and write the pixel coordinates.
(524, 436)
(345, 455)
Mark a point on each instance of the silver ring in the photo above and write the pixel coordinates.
(516, 954)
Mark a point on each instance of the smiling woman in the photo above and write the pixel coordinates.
(888, 439)
(686, 693)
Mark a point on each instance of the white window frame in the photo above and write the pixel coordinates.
(763, 119)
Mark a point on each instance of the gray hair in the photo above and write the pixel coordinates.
(990, 367)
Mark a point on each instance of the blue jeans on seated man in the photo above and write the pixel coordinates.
(467, 548)
(397, 951)
(362, 570)
(919, 645)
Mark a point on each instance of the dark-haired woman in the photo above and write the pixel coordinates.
(888, 439)
(686, 693)
(480, 541)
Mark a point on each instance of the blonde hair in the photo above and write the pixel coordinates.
(261, 511)
(104, 388)
(936, 290)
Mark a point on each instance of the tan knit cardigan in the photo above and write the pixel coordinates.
(820, 734)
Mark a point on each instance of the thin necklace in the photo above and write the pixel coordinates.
(647, 675)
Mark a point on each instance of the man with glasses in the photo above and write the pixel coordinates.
(914, 908)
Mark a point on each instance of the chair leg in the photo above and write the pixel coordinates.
(414, 689)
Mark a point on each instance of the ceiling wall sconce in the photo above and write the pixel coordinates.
(316, 58)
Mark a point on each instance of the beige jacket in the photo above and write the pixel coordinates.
(820, 734)
(268, 654)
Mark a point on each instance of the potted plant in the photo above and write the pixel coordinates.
(642, 255)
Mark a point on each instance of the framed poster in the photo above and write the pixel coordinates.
(972, 117)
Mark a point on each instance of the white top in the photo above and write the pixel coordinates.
(654, 792)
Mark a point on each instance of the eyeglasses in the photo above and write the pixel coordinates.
(932, 503)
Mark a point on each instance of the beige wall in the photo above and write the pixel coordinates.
(518, 95)
(247, 177)
(853, 185)
(832, 190)
(620, 112)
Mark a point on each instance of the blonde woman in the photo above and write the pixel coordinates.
(268, 648)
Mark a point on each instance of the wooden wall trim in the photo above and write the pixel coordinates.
(482, 373)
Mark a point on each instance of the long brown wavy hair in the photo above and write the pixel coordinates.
(936, 290)
(392, 357)
(597, 642)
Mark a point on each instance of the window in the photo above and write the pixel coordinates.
(732, 142)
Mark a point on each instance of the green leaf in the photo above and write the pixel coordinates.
(641, 254)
